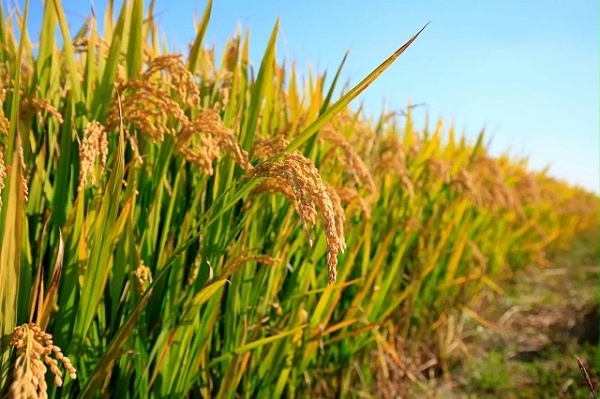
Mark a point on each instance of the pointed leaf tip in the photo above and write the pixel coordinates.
(353, 93)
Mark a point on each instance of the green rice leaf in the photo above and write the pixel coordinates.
(314, 127)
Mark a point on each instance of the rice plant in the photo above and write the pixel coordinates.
(175, 226)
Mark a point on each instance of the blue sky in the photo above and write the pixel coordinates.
(526, 72)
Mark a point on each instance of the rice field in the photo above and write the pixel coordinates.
(190, 226)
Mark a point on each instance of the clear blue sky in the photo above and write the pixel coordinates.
(527, 72)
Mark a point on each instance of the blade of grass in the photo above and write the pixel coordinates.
(11, 219)
(314, 127)
(265, 77)
(197, 50)
(311, 142)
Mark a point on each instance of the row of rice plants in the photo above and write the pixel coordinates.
(191, 227)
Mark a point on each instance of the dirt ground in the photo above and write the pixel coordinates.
(545, 322)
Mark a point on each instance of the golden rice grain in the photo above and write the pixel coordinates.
(143, 276)
(34, 350)
(350, 160)
(390, 156)
(93, 150)
(35, 106)
(4, 124)
(439, 168)
(201, 140)
(148, 101)
(152, 103)
(21, 158)
(306, 212)
(353, 200)
(303, 179)
(264, 149)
